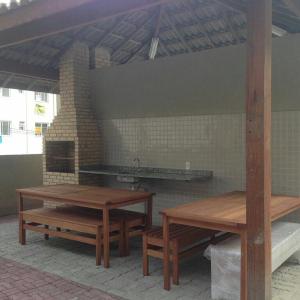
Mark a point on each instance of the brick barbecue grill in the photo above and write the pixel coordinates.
(73, 140)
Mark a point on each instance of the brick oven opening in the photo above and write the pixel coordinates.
(60, 156)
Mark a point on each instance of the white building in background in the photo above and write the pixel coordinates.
(24, 118)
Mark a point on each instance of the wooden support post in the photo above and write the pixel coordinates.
(166, 252)
(244, 268)
(124, 238)
(175, 261)
(46, 235)
(145, 255)
(98, 246)
(106, 245)
(258, 142)
(22, 232)
(148, 211)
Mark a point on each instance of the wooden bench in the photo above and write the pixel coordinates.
(185, 241)
(134, 223)
(68, 223)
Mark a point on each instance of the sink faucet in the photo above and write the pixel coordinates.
(137, 162)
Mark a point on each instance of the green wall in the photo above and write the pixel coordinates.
(208, 82)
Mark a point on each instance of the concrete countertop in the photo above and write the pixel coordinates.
(148, 173)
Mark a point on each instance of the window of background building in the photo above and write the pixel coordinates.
(5, 127)
(22, 125)
(5, 92)
(40, 128)
(43, 97)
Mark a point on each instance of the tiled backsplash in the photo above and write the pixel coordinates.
(210, 142)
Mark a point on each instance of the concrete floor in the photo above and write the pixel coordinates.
(76, 262)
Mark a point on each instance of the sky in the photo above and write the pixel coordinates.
(6, 1)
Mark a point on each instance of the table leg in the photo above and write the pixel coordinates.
(98, 246)
(244, 271)
(175, 262)
(22, 232)
(46, 236)
(166, 257)
(149, 205)
(145, 256)
(106, 236)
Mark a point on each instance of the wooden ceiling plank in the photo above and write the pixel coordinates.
(27, 70)
(158, 22)
(294, 6)
(138, 29)
(47, 17)
(63, 50)
(280, 19)
(233, 30)
(121, 37)
(203, 30)
(31, 85)
(37, 10)
(232, 6)
(109, 32)
(155, 38)
(7, 80)
(179, 34)
(136, 53)
(164, 47)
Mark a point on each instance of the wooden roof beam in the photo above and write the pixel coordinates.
(294, 6)
(47, 17)
(136, 53)
(155, 38)
(10, 66)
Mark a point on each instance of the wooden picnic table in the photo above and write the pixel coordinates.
(101, 198)
(224, 213)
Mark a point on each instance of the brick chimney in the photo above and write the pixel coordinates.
(73, 140)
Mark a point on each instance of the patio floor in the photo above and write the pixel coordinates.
(21, 282)
(75, 263)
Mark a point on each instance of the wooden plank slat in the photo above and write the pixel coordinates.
(87, 196)
(230, 209)
(61, 234)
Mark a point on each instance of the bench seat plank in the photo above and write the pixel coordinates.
(40, 220)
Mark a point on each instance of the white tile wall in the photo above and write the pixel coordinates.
(211, 142)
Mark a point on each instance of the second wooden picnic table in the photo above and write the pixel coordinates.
(101, 198)
(224, 213)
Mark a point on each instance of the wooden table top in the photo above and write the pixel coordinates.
(229, 209)
(82, 194)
